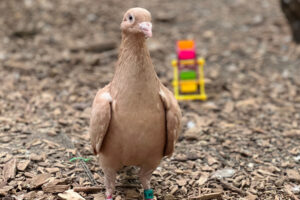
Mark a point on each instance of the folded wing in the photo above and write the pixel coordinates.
(100, 118)
(173, 119)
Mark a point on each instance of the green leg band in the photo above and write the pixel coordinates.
(148, 194)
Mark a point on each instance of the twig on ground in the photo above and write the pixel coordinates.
(217, 195)
(88, 189)
(92, 189)
(232, 187)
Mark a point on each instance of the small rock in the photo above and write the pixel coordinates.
(223, 173)
(296, 189)
(208, 34)
(258, 19)
(297, 158)
(190, 124)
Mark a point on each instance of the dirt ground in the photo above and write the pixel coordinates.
(242, 143)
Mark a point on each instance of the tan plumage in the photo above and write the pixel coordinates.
(135, 120)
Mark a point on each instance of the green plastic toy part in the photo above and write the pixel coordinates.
(188, 75)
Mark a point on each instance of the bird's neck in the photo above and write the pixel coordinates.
(134, 70)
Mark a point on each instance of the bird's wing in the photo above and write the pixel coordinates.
(173, 119)
(100, 118)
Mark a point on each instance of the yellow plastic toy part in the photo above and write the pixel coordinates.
(188, 86)
(187, 62)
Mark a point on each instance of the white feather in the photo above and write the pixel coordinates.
(106, 96)
(161, 92)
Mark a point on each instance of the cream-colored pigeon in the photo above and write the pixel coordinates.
(135, 120)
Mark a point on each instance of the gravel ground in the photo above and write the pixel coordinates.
(242, 143)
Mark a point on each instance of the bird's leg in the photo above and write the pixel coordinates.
(145, 176)
(109, 181)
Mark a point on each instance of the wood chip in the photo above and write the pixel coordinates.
(293, 175)
(4, 190)
(174, 189)
(35, 157)
(5, 139)
(229, 186)
(292, 133)
(55, 188)
(250, 197)
(9, 169)
(211, 160)
(203, 178)
(23, 165)
(181, 182)
(70, 195)
(39, 180)
(16, 65)
(51, 144)
(100, 196)
(52, 170)
(132, 194)
(288, 190)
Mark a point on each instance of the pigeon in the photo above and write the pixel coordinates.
(135, 120)
(291, 10)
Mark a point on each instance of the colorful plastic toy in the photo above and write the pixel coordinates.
(188, 80)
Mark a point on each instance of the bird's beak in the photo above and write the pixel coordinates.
(146, 28)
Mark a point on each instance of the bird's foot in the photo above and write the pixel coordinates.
(148, 194)
(108, 197)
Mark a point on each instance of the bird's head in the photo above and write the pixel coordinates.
(137, 21)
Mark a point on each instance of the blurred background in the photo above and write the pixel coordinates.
(54, 55)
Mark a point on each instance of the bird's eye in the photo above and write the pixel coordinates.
(130, 18)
